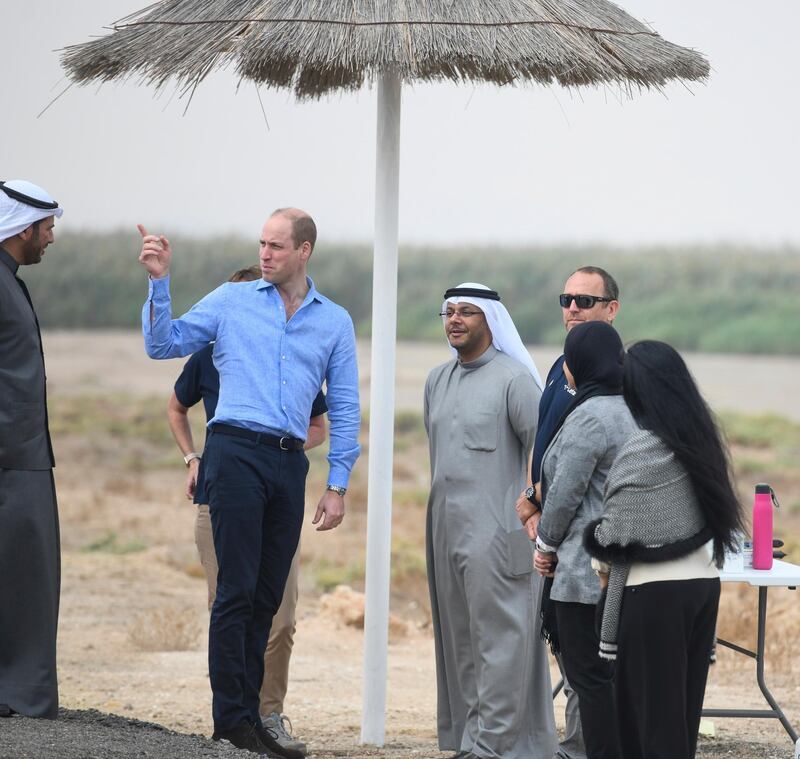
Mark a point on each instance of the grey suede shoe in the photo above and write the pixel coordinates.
(281, 727)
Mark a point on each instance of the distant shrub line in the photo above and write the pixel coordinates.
(707, 299)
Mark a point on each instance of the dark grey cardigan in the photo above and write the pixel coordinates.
(651, 515)
(574, 468)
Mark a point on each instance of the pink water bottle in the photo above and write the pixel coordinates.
(762, 527)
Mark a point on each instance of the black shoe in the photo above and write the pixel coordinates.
(243, 736)
(6, 711)
(270, 740)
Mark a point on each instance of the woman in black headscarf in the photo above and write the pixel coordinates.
(574, 468)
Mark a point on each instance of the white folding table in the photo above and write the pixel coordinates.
(782, 575)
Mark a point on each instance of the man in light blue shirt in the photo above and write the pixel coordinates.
(276, 341)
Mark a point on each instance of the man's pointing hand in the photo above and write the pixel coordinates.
(156, 253)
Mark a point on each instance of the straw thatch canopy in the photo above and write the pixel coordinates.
(317, 46)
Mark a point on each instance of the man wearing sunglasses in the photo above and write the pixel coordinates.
(590, 294)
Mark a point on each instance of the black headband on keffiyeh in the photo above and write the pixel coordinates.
(23, 203)
(28, 200)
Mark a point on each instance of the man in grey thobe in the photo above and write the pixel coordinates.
(493, 680)
(30, 570)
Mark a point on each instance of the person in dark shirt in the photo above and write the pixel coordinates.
(590, 294)
(199, 381)
(30, 554)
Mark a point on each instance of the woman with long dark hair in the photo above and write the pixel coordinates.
(669, 498)
(576, 461)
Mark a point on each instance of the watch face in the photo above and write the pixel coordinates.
(530, 493)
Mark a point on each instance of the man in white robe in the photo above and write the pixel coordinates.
(493, 680)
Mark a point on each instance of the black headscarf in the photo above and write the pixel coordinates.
(594, 354)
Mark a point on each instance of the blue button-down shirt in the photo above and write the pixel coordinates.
(270, 369)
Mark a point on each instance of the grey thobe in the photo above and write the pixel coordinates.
(29, 539)
(493, 680)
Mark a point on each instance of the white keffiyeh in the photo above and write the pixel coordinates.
(504, 333)
(16, 215)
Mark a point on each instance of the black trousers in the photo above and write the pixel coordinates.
(665, 636)
(256, 497)
(592, 678)
(30, 586)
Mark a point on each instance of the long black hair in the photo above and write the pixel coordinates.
(664, 399)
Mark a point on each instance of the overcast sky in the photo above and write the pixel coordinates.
(718, 162)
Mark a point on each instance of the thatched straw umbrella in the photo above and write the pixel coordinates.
(316, 47)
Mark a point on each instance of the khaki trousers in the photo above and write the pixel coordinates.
(281, 635)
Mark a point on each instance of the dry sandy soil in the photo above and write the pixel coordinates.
(80, 362)
(132, 589)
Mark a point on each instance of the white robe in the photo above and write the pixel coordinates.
(493, 680)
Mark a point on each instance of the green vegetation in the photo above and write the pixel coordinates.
(328, 574)
(408, 560)
(762, 431)
(118, 416)
(704, 299)
(766, 448)
(110, 543)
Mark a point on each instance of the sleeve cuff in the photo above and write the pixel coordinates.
(552, 543)
(158, 287)
(339, 476)
(543, 547)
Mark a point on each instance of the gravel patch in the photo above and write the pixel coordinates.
(90, 734)
(744, 749)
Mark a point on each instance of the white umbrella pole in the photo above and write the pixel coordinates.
(381, 411)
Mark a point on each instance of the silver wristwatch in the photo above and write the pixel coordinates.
(530, 494)
(190, 457)
(337, 489)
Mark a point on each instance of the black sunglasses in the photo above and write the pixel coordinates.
(581, 301)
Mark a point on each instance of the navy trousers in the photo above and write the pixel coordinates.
(256, 496)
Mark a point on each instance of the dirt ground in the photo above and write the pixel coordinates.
(132, 636)
(114, 360)
(107, 598)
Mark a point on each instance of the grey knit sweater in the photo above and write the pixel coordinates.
(651, 514)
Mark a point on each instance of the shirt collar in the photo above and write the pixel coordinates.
(482, 360)
(6, 258)
(312, 293)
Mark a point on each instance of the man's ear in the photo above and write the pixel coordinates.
(26, 234)
(306, 250)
